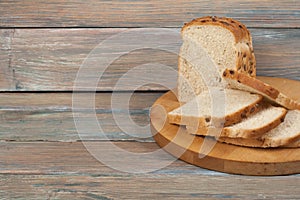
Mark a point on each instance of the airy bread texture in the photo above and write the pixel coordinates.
(244, 82)
(211, 44)
(286, 134)
(216, 107)
(267, 118)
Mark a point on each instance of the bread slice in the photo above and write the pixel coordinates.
(286, 134)
(253, 142)
(244, 82)
(254, 126)
(211, 44)
(216, 107)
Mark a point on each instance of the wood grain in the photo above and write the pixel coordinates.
(49, 117)
(48, 60)
(38, 63)
(62, 101)
(73, 158)
(120, 13)
(66, 170)
(60, 126)
(149, 186)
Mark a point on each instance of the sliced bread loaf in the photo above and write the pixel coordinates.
(286, 134)
(267, 118)
(211, 44)
(244, 82)
(216, 107)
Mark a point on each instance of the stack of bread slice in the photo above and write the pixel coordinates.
(230, 104)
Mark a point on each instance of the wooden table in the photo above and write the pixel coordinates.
(42, 45)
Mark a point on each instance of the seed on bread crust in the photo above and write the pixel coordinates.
(252, 110)
(225, 23)
(207, 119)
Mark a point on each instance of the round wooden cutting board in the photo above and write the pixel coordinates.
(224, 157)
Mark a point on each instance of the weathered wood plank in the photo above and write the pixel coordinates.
(62, 101)
(51, 158)
(5, 60)
(49, 117)
(149, 186)
(48, 60)
(60, 126)
(276, 51)
(51, 63)
(73, 158)
(120, 13)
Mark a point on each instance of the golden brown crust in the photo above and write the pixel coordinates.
(255, 133)
(243, 113)
(232, 133)
(261, 142)
(273, 139)
(246, 62)
(262, 88)
(251, 82)
(238, 29)
(287, 102)
(268, 142)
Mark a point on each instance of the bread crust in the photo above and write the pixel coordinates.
(238, 29)
(240, 133)
(274, 138)
(260, 142)
(262, 88)
(246, 62)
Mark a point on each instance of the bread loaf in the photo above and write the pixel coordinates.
(224, 41)
(217, 82)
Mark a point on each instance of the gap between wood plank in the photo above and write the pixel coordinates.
(33, 62)
(265, 13)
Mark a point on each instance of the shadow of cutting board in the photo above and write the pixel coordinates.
(224, 157)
